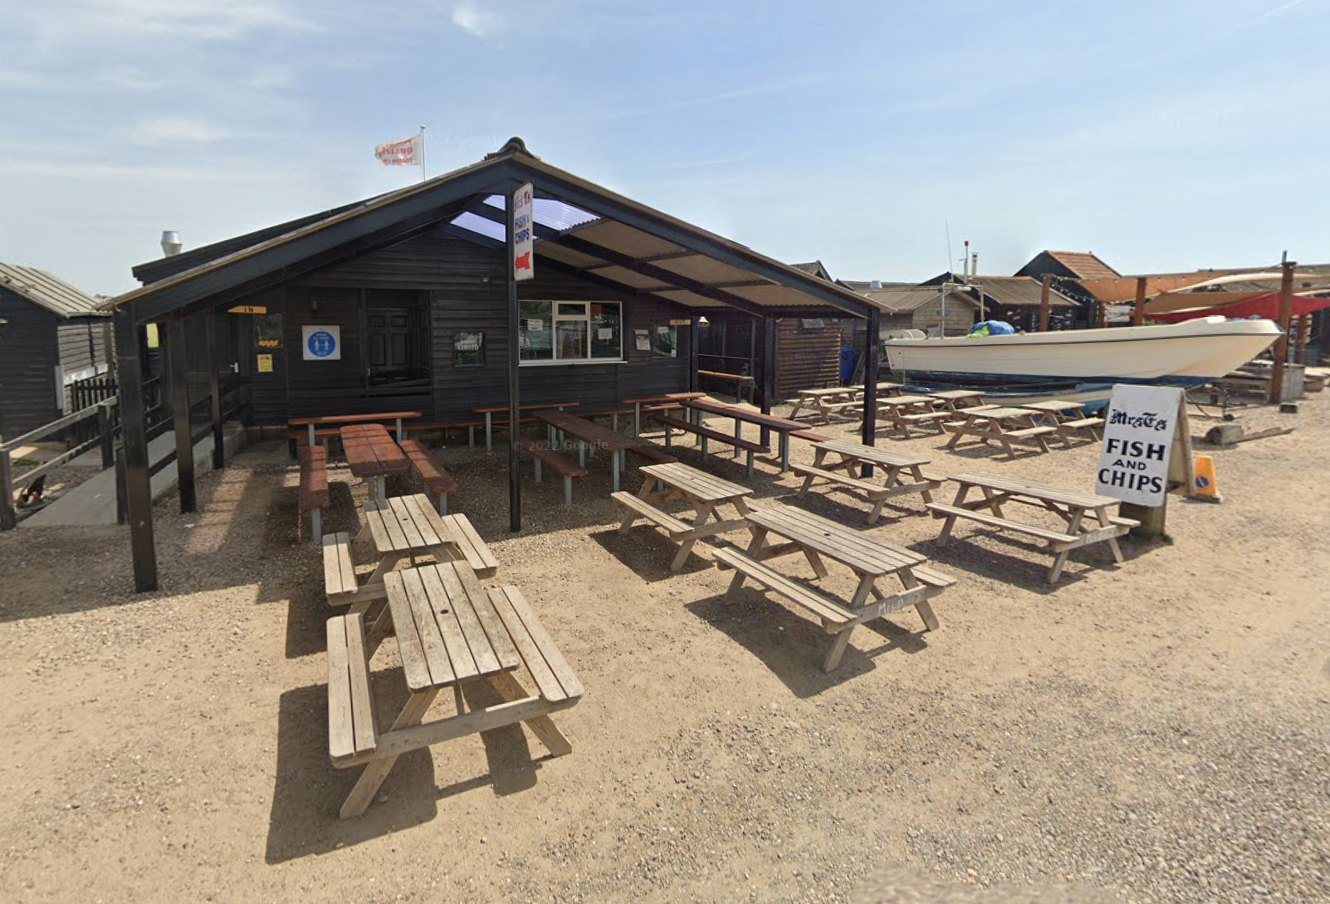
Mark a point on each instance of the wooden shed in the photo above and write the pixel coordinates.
(412, 301)
(50, 334)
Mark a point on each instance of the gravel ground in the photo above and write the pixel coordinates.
(1155, 731)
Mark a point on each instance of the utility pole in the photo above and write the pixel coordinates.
(1138, 312)
(1044, 291)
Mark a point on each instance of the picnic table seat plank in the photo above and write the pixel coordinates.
(339, 574)
(652, 453)
(669, 523)
(942, 510)
(709, 433)
(548, 668)
(472, 547)
(826, 609)
(351, 726)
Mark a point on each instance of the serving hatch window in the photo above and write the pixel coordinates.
(570, 331)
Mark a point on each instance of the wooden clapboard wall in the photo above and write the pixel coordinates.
(807, 355)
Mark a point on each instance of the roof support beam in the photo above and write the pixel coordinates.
(627, 262)
(674, 279)
(550, 185)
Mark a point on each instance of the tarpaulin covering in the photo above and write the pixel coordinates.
(1173, 307)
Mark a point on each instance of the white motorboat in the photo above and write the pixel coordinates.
(1191, 353)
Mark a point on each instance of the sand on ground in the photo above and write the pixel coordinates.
(1155, 731)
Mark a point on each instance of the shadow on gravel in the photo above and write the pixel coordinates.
(793, 647)
(647, 552)
(308, 793)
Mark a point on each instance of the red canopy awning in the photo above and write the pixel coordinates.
(1174, 307)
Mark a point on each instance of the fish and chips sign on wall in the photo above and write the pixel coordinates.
(1139, 432)
(524, 233)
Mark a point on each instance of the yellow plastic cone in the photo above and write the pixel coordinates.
(1207, 485)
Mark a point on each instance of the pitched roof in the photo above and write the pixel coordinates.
(1084, 264)
(582, 227)
(815, 268)
(1018, 292)
(41, 288)
(903, 299)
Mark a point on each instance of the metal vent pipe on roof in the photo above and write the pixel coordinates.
(875, 284)
(171, 243)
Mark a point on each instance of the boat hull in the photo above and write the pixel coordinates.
(1185, 354)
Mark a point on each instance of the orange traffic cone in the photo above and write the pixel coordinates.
(1207, 485)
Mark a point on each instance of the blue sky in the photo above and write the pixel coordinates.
(1162, 135)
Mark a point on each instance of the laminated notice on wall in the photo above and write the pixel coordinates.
(605, 333)
(265, 364)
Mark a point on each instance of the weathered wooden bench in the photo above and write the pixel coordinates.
(612, 413)
(1089, 424)
(437, 481)
(706, 433)
(313, 497)
(444, 426)
(652, 453)
(810, 436)
(339, 575)
(566, 467)
(293, 438)
(1035, 433)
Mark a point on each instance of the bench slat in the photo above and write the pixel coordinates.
(474, 550)
(671, 524)
(819, 605)
(553, 658)
(714, 435)
(341, 731)
(548, 685)
(435, 478)
(841, 478)
(566, 466)
(339, 574)
(653, 454)
(940, 510)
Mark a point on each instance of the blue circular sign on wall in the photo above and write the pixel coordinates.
(322, 344)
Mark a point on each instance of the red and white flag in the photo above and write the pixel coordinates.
(406, 152)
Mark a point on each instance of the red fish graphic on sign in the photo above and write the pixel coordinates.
(523, 262)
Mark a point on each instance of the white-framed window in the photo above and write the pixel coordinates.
(568, 332)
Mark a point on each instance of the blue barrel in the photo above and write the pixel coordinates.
(848, 357)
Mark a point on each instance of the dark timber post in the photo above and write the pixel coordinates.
(871, 344)
(1285, 319)
(693, 343)
(1044, 291)
(766, 370)
(1138, 312)
(514, 350)
(134, 431)
(178, 353)
(214, 392)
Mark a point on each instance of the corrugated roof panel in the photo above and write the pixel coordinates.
(625, 239)
(684, 297)
(56, 295)
(478, 224)
(628, 277)
(554, 214)
(705, 270)
(778, 296)
(566, 255)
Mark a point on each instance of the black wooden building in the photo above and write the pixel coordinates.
(402, 302)
(50, 333)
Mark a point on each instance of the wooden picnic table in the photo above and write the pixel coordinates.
(339, 419)
(901, 473)
(490, 410)
(817, 538)
(451, 633)
(1003, 425)
(826, 402)
(959, 399)
(783, 427)
(403, 527)
(372, 455)
(1087, 517)
(666, 399)
(703, 492)
(588, 432)
(1059, 413)
(906, 411)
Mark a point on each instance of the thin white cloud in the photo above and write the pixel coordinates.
(473, 20)
(104, 172)
(171, 132)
